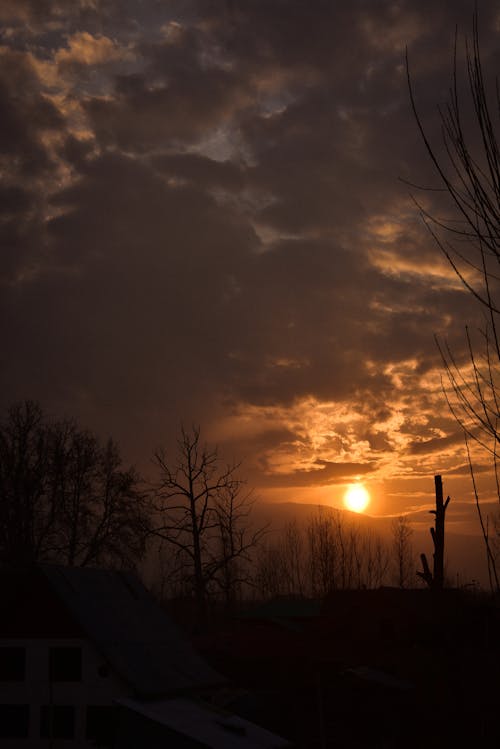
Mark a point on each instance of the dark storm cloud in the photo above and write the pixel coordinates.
(140, 118)
(128, 253)
(437, 445)
(203, 220)
(202, 171)
(325, 474)
(27, 120)
(25, 116)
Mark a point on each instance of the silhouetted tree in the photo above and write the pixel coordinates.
(373, 559)
(402, 551)
(203, 513)
(327, 554)
(271, 574)
(232, 558)
(281, 566)
(342, 555)
(28, 508)
(323, 548)
(64, 497)
(293, 554)
(467, 164)
(104, 518)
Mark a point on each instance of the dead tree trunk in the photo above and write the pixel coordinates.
(435, 579)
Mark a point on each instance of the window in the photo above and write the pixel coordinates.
(14, 721)
(100, 725)
(57, 722)
(65, 664)
(12, 664)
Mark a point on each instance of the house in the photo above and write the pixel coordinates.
(88, 658)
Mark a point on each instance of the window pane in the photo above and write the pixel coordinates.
(100, 725)
(65, 664)
(57, 722)
(12, 664)
(14, 721)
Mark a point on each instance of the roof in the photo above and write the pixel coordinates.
(207, 725)
(31, 609)
(380, 678)
(131, 630)
(285, 608)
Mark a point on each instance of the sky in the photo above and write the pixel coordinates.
(206, 219)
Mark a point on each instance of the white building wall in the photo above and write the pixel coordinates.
(37, 690)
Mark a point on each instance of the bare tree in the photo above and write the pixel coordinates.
(327, 554)
(467, 164)
(27, 508)
(342, 555)
(371, 559)
(403, 562)
(203, 512)
(293, 553)
(271, 574)
(281, 566)
(64, 497)
(231, 560)
(323, 553)
(115, 515)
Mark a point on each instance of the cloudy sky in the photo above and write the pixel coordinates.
(204, 219)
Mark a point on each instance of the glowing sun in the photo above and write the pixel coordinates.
(356, 498)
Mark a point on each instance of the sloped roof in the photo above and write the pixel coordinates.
(131, 630)
(209, 727)
(380, 678)
(285, 609)
(31, 609)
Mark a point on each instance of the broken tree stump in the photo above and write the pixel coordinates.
(435, 579)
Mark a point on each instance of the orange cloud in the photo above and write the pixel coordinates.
(85, 49)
